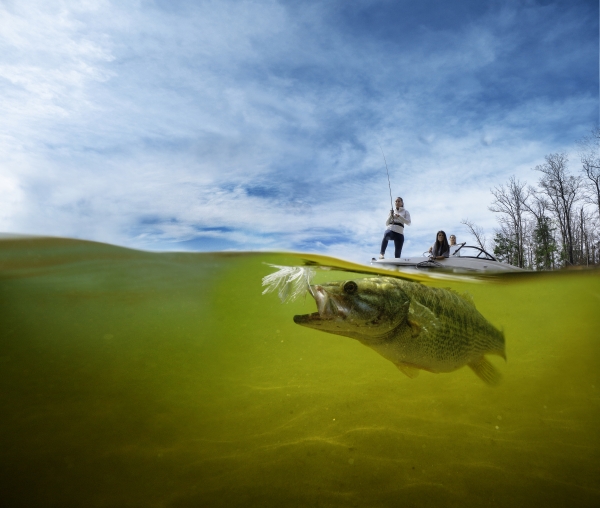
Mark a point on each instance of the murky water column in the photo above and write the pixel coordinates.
(139, 379)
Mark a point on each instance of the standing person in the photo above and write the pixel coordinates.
(398, 218)
(440, 249)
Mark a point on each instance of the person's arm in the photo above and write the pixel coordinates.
(445, 254)
(390, 218)
(404, 217)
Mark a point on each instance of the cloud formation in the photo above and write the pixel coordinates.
(258, 124)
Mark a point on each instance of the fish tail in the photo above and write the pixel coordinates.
(496, 343)
(501, 351)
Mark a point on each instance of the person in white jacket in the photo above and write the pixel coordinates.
(453, 246)
(398, 218)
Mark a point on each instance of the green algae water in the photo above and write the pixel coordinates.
(167, 380)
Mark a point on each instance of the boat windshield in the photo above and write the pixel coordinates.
(470, 251)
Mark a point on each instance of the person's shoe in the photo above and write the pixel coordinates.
(381, 256)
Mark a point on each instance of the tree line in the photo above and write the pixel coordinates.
(555, 223)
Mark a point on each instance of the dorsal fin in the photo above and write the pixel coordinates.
(463, 296)
(466, 297)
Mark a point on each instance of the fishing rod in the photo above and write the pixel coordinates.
(388, 177)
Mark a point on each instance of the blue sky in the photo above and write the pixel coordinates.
(257, 125)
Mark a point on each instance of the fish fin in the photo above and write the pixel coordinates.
(420, 318)
(502, 352)
(467, 298)
(415, 327)
(486, 371)
(409, 370)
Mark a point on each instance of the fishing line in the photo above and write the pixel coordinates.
(388, 176)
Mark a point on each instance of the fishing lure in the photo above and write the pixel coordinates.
(290, 282)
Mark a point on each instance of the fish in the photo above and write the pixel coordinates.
(414, 326)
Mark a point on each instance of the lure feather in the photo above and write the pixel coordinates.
(290, 282)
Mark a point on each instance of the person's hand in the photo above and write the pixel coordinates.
(429, 249)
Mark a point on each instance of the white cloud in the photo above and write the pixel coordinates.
(147, 126)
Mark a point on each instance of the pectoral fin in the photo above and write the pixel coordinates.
(421, 319)
(409, 370)
(486, 371)
(415, 326)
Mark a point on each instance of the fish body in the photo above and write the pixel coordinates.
(414, 326)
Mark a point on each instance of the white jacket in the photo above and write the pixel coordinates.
(400, 219)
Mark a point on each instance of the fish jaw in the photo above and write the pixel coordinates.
(329, 308)
(344, 314)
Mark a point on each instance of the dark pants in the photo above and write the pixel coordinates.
(398, 242)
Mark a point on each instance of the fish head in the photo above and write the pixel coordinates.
(366, 309)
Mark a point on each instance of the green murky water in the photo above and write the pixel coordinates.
(144, 379)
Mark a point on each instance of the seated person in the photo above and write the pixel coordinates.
(440, 249)
(453, 246)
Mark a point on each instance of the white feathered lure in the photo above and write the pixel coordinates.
(290, 282)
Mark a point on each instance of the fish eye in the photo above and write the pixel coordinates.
(350, 287)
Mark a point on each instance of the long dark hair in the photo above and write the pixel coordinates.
(440, 247)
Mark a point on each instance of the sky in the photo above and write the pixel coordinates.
(218, 125)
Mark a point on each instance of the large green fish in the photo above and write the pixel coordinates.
(413, 326)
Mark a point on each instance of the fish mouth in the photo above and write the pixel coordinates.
(328, 308)
(302, 319)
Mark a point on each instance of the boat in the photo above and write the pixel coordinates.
(465, 258)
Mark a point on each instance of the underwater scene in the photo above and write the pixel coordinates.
(131, 378)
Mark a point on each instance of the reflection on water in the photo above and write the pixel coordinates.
(144, 379)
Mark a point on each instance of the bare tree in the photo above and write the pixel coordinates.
(527, 243)
(562, 191)
(584, 237)
(508, 203)
(551, 224)
(589, 153)
(535, 204)
(539, 238)
(477, 232)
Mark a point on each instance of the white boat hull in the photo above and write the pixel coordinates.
(454, 264)
(466, 258)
